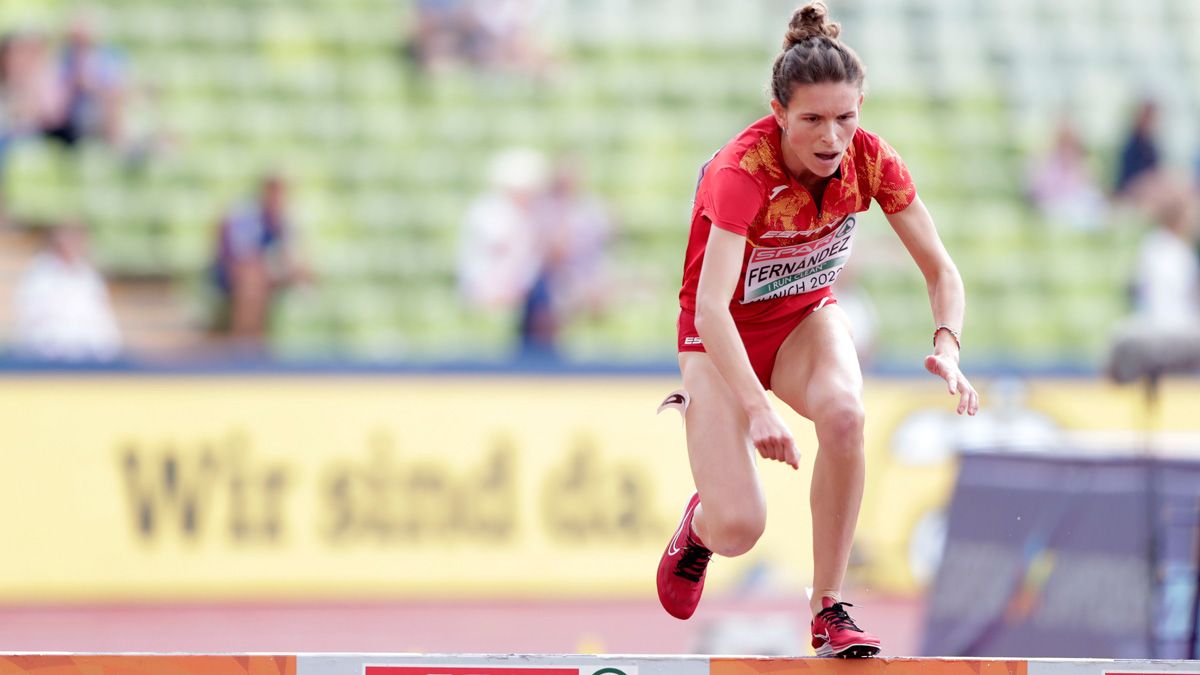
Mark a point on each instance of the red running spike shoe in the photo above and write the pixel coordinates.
(682, 567)
(835, 634)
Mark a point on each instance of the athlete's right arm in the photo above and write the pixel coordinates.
(718, 278)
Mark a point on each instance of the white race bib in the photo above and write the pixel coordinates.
(803, 268)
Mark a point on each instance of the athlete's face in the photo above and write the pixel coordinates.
(819, 123)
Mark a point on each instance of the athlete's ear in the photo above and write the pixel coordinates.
(861, 98)
(780, 113)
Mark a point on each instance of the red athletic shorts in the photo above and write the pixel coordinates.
(762, 339)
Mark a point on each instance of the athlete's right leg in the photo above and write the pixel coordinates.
(732, 512)
(727, 514)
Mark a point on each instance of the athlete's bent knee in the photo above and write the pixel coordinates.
(841, 423)
(735, 535)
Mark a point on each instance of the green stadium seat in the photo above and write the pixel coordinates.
(38, 183)
(303, 325)
(157, 24)
(218, 27)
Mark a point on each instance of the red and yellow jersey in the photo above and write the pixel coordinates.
(794, 250)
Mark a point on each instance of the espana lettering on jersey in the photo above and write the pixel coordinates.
(774, 272)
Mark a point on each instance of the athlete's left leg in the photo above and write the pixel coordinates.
(817, 374)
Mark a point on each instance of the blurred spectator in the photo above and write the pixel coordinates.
(255, 260)
(444, 32)
(501, 261)
(1166, 283)
(62, 310)
(27, 86)
(496, 34)
(30, 98)
(510, 34)
(1139, 159)
(93, 78)
(1061, 185)
(577, 232)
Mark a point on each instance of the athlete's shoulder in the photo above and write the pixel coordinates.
(882, 172)
(872, 145)
(754, 151)
(868, 141)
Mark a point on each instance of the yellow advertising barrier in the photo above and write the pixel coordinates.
(176, 488)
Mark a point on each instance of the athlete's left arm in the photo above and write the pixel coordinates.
(914, 225)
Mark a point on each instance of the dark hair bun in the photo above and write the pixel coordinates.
(811, 20)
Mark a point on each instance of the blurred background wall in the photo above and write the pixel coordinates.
(337, 324)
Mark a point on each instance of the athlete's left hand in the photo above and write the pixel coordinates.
(946, 367)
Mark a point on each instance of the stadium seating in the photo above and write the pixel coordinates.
(384, 161)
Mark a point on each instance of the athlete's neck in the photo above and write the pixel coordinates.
(812, 182)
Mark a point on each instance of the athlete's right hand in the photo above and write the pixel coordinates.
(772, 438)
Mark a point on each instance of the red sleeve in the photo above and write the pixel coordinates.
(732, 200)
(895, 190)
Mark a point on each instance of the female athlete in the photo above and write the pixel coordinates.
(772, 226)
